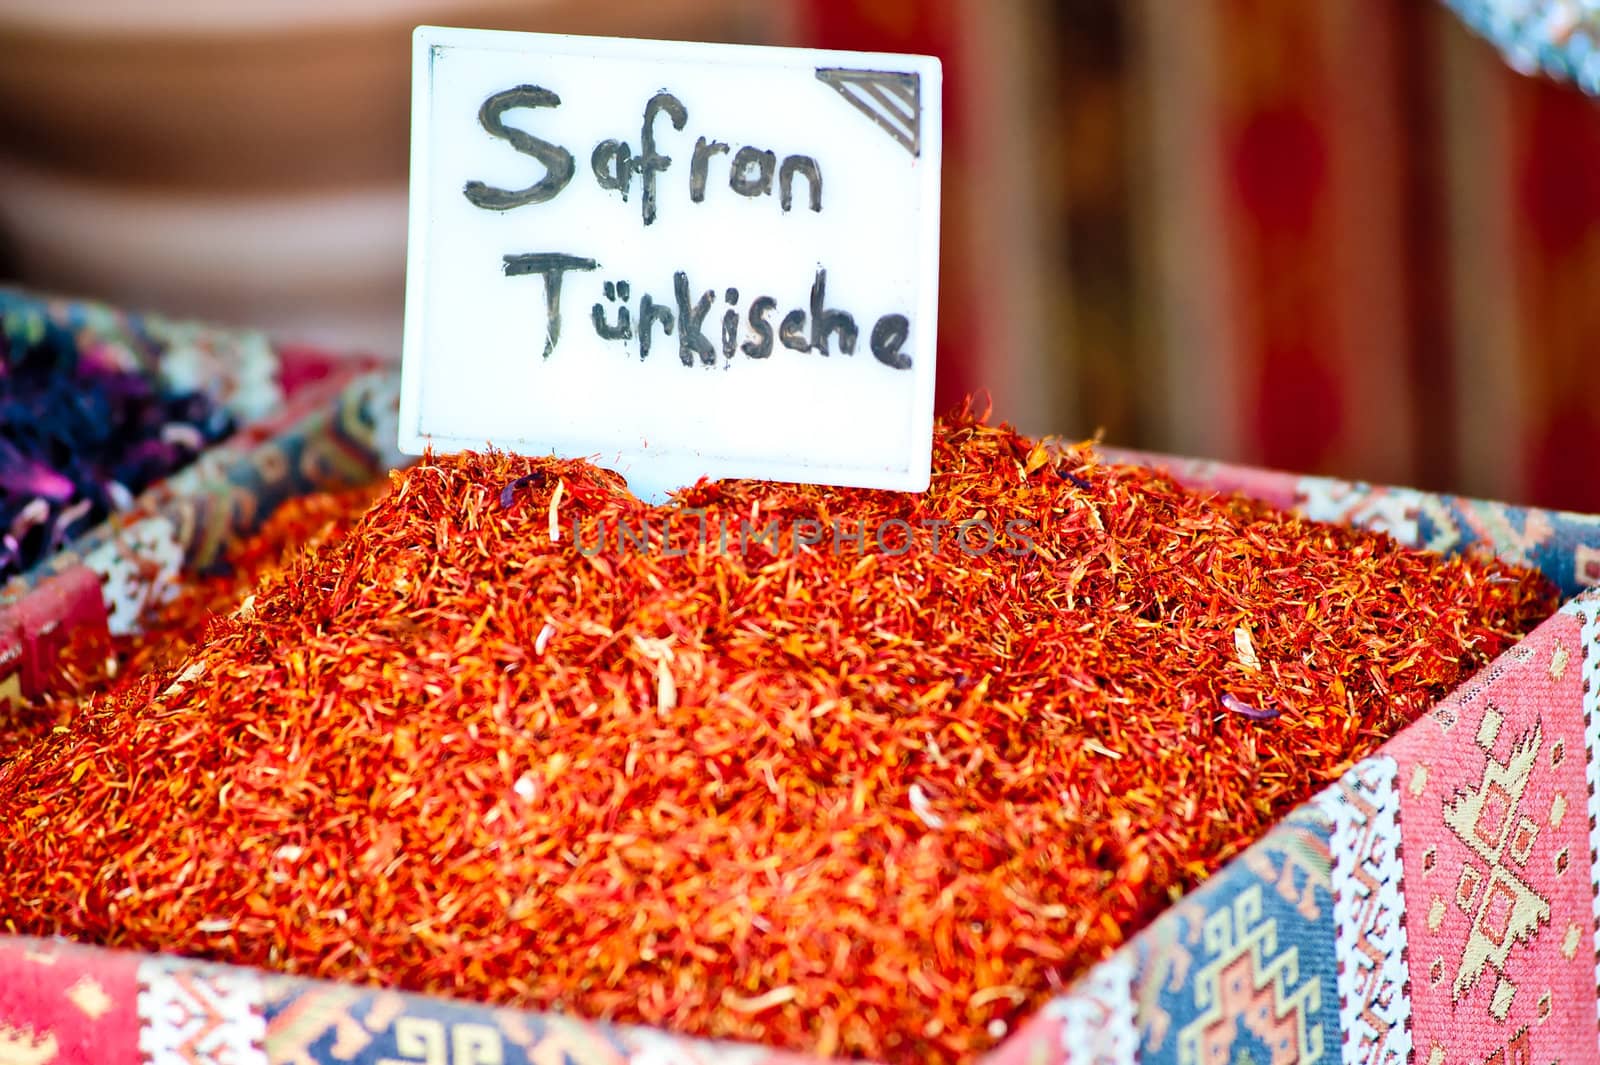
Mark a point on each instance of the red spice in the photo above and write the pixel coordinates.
(867, 803)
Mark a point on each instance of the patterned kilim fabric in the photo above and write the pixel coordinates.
(1557, 37)
(69, 1005)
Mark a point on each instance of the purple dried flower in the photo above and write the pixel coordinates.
(508, 494)
(78, 436)
(1239, 706)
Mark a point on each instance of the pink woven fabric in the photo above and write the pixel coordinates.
(67, 1006)
(1495, 826)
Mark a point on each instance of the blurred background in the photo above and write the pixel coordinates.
(1333, 236)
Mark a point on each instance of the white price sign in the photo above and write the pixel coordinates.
(677, 260)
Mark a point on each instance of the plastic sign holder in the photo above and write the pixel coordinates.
(676, 260)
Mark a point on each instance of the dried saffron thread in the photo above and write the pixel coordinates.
(857, 803)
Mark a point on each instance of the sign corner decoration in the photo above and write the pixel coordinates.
(674, 259)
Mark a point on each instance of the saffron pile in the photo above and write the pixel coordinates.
(878, 798)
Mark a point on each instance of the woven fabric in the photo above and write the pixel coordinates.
(1560, 38)
(67, 1006)
(1369, 913)
(1498, 884)
(310, 1023)
(200, 1015)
